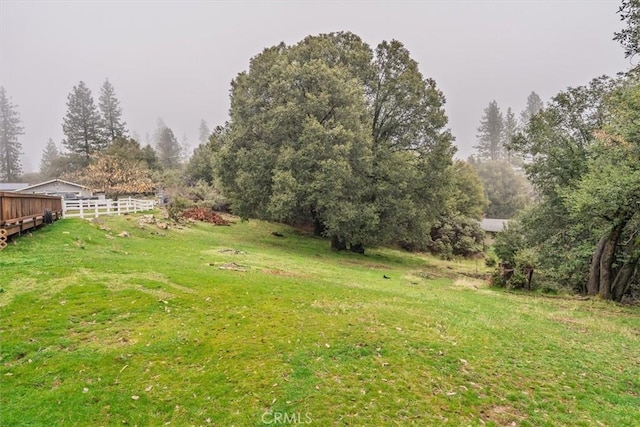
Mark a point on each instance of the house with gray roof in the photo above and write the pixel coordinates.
(58, 187)
(494, 225)
(11, 186)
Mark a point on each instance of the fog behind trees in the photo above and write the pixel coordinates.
(175, 61)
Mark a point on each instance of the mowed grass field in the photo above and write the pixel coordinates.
(150, 330)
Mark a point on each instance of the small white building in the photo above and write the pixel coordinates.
(59, 187)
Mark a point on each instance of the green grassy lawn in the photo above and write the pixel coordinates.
(149, 330)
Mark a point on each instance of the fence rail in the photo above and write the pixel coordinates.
(87, 208)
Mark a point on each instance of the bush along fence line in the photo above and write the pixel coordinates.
(90, 208)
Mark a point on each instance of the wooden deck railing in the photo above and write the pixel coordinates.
(22, 212)
(16, 207)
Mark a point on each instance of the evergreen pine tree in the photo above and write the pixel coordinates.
(82, 123)
(534, 105)
(10, 147)
(490, 133)
(205, 132)
(169, 149)
(112, 124)
(50, 160)
(509, 130)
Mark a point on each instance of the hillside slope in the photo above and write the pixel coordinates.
(232, 325)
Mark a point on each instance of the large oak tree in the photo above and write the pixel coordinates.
(335, 134)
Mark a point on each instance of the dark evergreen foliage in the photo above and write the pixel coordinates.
(10, 146)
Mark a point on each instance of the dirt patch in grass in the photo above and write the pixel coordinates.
(233, 266)
(572, 324)
(104, 339)
(153, 284)
(149, 283)
(17, 287)
(334, 308)
(469, 283)
(370, 265)
(45, 288)
(502, 415)
(232, 251)
(434, 274)
(283, 273)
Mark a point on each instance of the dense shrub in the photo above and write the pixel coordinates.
(207, 195)
(176, 206)
(509, 242)
(517, 281)
(498, 280)
(516, 260)
(491, 260)
(456, 236)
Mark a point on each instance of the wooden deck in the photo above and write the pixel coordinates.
(22, 212)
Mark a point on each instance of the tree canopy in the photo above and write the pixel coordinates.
(10, 146)
(49, 164)
(122, 168)
(82, 123)
(490, 134)
(168, 148)
(534, 106)
(115, 175)
(629, 36)
(333, 133)
(112, 126)
(204, 132)
(584, 163)
(507, 191)
(468, 198)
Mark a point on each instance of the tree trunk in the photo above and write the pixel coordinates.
(506, 271)
(594, 271)
(607, 259)
(529, 272)
(318, 227)
(623, 278)
(338, 244)
(357, 248)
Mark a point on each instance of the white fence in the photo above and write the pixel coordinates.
(86, 208)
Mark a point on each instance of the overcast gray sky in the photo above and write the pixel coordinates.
(175, 59)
